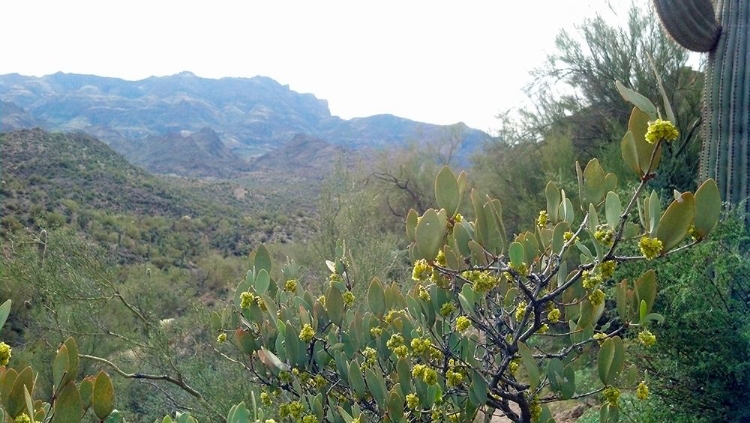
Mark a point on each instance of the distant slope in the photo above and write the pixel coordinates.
(73, 179)
(251, 116)
(13, 116)
(81, 168)
(195, 154)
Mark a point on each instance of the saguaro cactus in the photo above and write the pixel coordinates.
(726, 115)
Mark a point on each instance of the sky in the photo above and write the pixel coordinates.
(432, 61)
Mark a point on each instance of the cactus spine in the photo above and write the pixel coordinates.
(726, 113)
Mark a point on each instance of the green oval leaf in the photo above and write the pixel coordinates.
(411, 226)
(446, 191)
(262, 259)
(530, 364)
(335, 305)
(637, 100)
(612, 210)
(516, 254)
(611, 360)
(376, 298)
(429, 233)
(68, 406)
(552, 192)
(630, 152)
(16, 400)
(4, 313)
(103, 397)
(59, 367)
(707, 208)
(675, 223)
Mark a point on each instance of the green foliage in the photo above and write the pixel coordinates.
(394, 356)
(698, 370)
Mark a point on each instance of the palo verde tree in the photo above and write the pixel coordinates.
(490, 324)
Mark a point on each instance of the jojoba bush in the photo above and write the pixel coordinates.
(490, 324)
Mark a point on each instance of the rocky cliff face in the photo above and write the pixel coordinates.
(147, 120)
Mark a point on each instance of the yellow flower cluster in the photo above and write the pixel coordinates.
(607, 269)
(290, 285)
(554, 315)
(446, 309)
(376, 331)
(412, 401)
(605, 236)
(427, 374)
(440, 259)
(370, 356)
(265, 398)
(591, 280)
(483, 281)
(462, 323)
(221, 338)
(420, 345)
(22, 418)
(453, 378)
(5, 353)
(597, 297)
(423, 294)
(650, 247)
(307, 333)
(641, 392)
(422, 270)
(542, 220)
(612, 396)
(349, 298)
(396, 340)
(647, 338)
(661, 130)
(520, 311)
(246, 298)
(568, 235)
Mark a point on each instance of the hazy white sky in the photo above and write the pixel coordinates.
(432, 61)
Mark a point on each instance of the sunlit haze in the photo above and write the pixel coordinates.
(432, 61)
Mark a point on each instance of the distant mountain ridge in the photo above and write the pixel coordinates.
(250, 116)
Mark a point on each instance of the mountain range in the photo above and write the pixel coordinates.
(192, 126)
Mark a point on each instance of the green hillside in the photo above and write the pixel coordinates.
(58, 179)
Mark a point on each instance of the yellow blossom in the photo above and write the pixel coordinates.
(423, 294)
(647, 338)
(246, 298)
(221, 338)
(349, 298)
(612, 396)
(290, 285)
(650, 247)
(5, 353)
(661, 130)
(462, 323)
(597, 297)
(307, 333)
(541, 221)
(642, 391)
(453, 378)
(520, 311)
(412, 401)
(554, 315)
(422, 270)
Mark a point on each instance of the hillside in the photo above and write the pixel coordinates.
(73, 179)
(250, 116)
